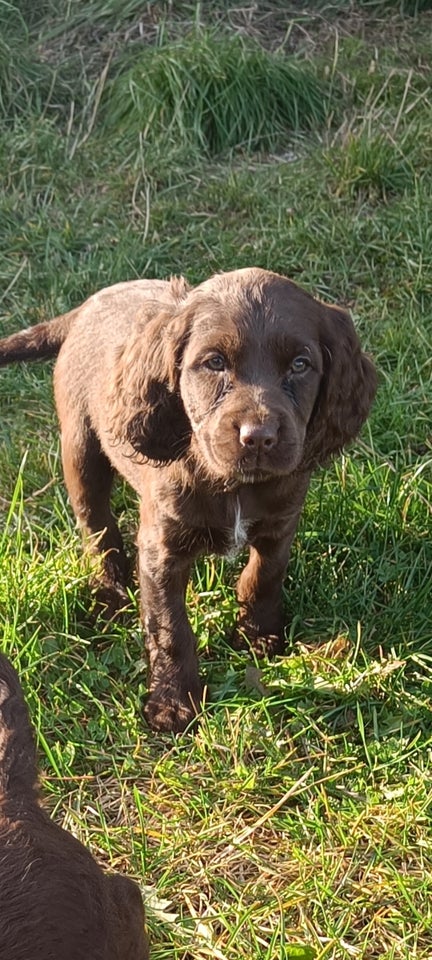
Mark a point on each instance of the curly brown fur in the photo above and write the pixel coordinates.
(55, 901)
(216, 403)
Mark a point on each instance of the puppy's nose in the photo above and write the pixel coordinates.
(258, 436)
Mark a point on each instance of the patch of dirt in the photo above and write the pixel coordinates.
(295, 27)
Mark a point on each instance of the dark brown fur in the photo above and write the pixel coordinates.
(55, 901)
(216, 404)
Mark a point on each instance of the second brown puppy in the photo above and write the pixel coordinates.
(55, 901)
(216, 404)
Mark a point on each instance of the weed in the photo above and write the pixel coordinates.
(368, 167)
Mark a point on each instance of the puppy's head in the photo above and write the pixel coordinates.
(251, 375)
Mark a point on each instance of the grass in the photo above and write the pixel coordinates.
(296, 821)
(410, 7)
(369, 167)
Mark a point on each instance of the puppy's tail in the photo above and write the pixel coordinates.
(18, 772)
(40, 342)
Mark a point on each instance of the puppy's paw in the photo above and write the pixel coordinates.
(261, 644)
(110, 600)
(170, 710)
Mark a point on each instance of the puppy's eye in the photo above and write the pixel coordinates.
(217, 363)
(300, 364)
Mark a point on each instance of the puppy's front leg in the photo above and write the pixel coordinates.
(175, 689)
(260, 623)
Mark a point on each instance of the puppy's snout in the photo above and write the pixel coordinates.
(258, 436)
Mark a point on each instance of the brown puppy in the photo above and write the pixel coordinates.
(216, 404)
(55, 901)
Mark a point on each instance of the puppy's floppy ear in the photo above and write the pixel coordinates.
(347, 391)
(146, 409)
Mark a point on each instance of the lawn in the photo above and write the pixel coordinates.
(148, 139)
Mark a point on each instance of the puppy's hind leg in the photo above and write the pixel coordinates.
(89, 477)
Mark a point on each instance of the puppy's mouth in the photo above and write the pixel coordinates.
(250, 475)
(245, 467)
(243, 476)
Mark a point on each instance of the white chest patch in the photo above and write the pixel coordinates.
(239, 532)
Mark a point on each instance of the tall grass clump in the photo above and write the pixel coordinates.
(217, 94)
